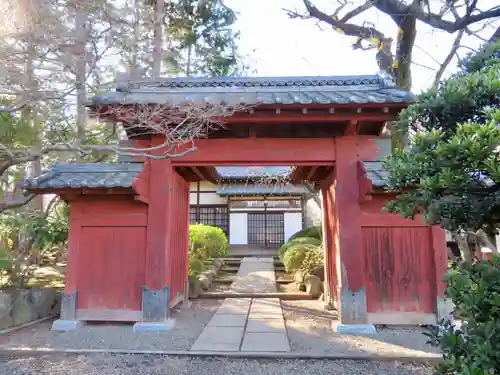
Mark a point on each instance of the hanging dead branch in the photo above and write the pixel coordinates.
(179, 126)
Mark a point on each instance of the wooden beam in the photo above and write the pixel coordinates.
(311, 173)
(198, 173)
(309, 117)
(260, 151)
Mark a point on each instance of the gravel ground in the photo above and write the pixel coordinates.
(309, 330)
(189, 324)
(308, 326)
(156, 365)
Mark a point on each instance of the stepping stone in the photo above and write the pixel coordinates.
(230, 307)
(228, 320)
(212, 347)
(230, 337)
(266, 325)
(265, 342)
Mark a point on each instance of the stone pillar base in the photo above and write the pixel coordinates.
(355, 329)
(445, 309)
(166, 325)
(61, 325)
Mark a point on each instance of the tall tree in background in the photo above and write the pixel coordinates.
(202, 39)
(394, 52)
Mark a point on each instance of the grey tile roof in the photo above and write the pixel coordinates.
(232, 189)
(85, 175)
(376, 173)
(228, 173)
(259, 90)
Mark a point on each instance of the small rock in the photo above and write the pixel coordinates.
(205, 282)
(5, 310)
(210, 274)
(319, 272)
(22, 309)
(298, 276)
(43, 301)
(313, 285)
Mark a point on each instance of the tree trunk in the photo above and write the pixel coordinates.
(406, 40)
(31, 115)
(188, 63)
(134, 64)
(81, 73)
(158, 38)
(407, 33)
(463, 246)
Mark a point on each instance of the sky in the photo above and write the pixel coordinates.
(280, 46)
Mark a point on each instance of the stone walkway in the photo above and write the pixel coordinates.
(245, 324)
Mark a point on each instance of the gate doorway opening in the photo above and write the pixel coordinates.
(256, 206)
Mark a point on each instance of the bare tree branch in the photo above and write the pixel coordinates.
(435, 20)
(16, 203)
(357, 11)
(455, 46)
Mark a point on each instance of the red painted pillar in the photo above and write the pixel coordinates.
(157, 291)
(444, 306)
(329, 243)
(347, 233)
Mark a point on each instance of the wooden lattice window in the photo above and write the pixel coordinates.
(217, 216)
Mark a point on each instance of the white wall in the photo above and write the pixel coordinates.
(293, 223)
(313, 213)
(238, 229)
(208, 196)
(212, 198)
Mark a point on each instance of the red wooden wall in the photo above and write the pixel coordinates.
(399, 265)
(107, 246)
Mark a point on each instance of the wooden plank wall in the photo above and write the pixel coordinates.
(111, 257)
(399, 263)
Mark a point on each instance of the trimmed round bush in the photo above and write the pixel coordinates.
(312, 260)
(295, 255)
(207, 242)
(297, 241)
(314, 232)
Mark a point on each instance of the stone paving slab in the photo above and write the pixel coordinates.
(255, 324)
(265, 325)
(255, 275)
(255, 314)
(215, 347)
(265, 342)
(219, 335)
(228, 320)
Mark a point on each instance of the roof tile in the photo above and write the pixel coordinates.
(259, 90)
(86, 175)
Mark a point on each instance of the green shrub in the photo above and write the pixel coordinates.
(295, 255)
(208, 241)
(475, 348)
(196, 266)
(297, 241)
(312, 260)
(314, 232)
